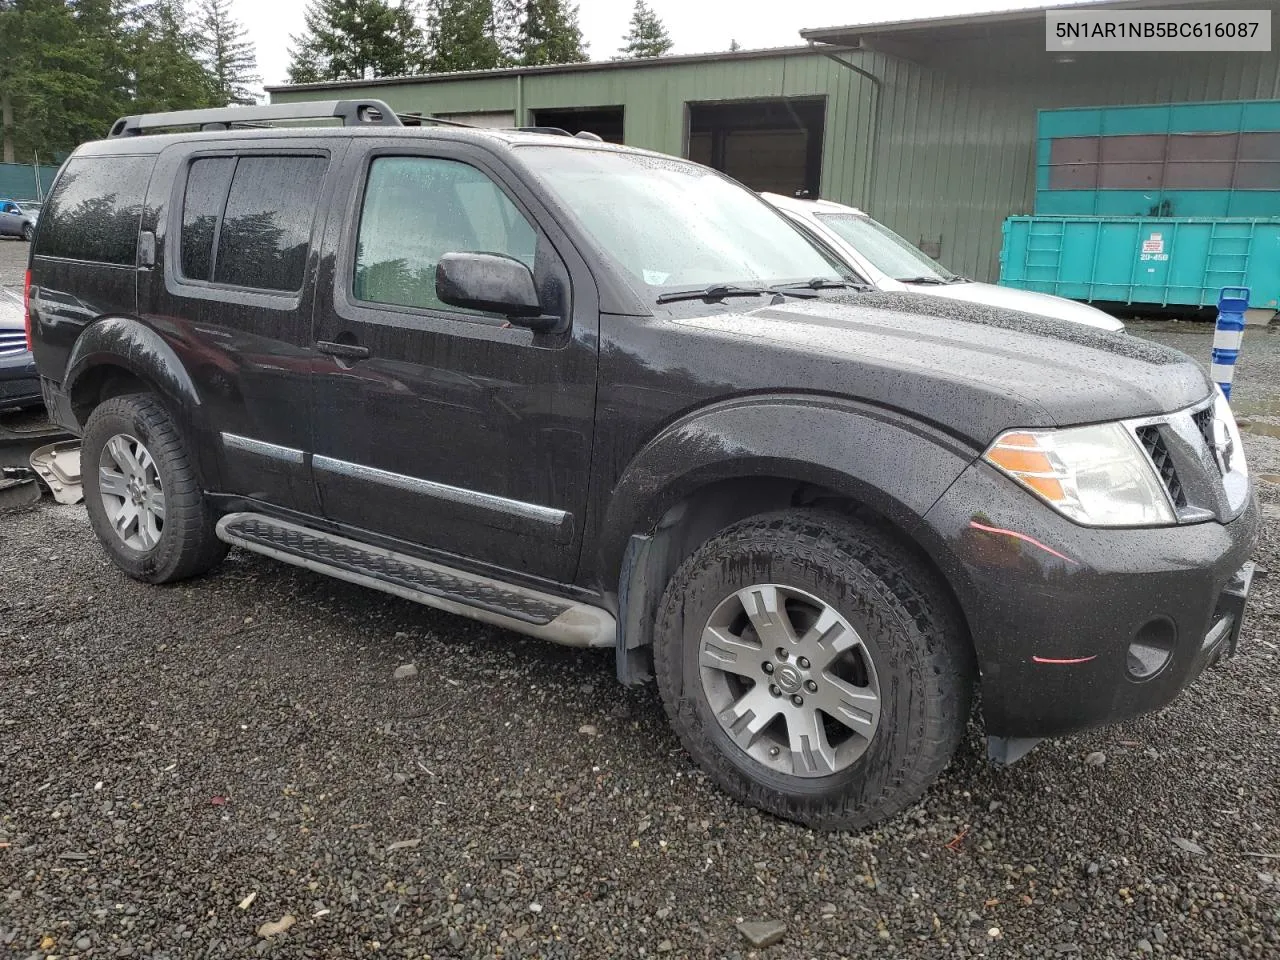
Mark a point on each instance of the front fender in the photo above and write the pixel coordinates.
(130, 344)
(894, 464)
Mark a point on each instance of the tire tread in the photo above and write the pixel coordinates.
(939, 655)
(188, 517)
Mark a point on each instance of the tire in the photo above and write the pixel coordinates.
(914, 656)
(180, 545)
(28, 232)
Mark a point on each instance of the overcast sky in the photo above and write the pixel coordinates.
(696, 26)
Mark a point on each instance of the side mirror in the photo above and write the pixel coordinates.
(493, 283)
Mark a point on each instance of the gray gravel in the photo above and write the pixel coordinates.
(183, 768)
(13, 261)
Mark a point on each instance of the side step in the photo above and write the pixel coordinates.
(455, 591)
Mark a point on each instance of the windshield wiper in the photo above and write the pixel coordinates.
(717, 291)
(817, 283)
(937, 280)
(959, 279)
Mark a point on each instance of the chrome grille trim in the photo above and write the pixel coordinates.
(12, 341)
(1205, 481)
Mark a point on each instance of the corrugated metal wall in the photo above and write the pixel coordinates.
(955, 150)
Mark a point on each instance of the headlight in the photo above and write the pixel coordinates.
(1097, 476)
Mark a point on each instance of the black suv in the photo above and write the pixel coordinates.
(613, 399)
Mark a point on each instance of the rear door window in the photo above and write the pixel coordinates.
(202, 205)
(246, 221)
(94, 212)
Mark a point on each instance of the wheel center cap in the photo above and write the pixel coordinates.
(787, 678)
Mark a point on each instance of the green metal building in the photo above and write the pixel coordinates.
(928, 125)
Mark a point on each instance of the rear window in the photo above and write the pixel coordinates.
(246, 221)
(93, 214)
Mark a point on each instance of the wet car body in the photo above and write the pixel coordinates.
(586, 448)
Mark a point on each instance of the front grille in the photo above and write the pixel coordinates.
(12, 341)
(1203, 420)
(1153, 442)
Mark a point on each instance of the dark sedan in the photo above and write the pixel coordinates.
(19, 384)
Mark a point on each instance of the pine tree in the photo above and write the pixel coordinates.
(166, 75)
(504, 27)
(647, 37)
(226, 53)
(354, 40)
(550, 33)
(65, 73)
(463, 36)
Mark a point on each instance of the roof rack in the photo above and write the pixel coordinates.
(554, 131)
(350, 112)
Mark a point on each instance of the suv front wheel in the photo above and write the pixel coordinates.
(141, 492)
(813, 667)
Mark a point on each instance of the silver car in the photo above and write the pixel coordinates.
(888, 262)
(17, 222)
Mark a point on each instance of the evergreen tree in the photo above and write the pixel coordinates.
(647, 37)
(463, 36)
(226, 53)
(354, 40)
(504, 27)
(165, 73)
(550, 33)
(64, 74)
(71, 67)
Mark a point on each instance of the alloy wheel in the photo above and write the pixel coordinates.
(790, 680)
(131, 492)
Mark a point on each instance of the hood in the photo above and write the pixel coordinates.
(1027, 301)
(971, 369)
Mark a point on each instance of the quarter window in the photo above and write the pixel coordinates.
(416, 209)
(94, 212)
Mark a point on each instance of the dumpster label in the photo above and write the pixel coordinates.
(1153, 244)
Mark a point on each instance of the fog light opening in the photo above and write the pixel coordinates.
(1152, 648)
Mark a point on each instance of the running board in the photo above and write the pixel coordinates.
(455, 591)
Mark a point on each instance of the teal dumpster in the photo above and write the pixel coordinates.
(1143, 260)
(1219, 160)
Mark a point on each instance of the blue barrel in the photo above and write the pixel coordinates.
(1232, 303)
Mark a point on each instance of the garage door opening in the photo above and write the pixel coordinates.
(605, 122)
(773, 145)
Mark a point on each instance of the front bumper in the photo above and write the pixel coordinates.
(19, 383)
(1077, 627)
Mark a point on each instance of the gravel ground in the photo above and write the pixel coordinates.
(13, 260)
(179, 766)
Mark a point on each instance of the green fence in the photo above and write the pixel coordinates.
(18, 181)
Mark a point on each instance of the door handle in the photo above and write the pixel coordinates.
(345, 351)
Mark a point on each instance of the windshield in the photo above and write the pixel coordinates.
(672, 224)
(887, 251)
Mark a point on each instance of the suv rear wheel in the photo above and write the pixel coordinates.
(141, 493)
(813, 668)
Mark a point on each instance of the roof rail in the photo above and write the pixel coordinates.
(417, 119)
(350, 112)
(554, 131)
